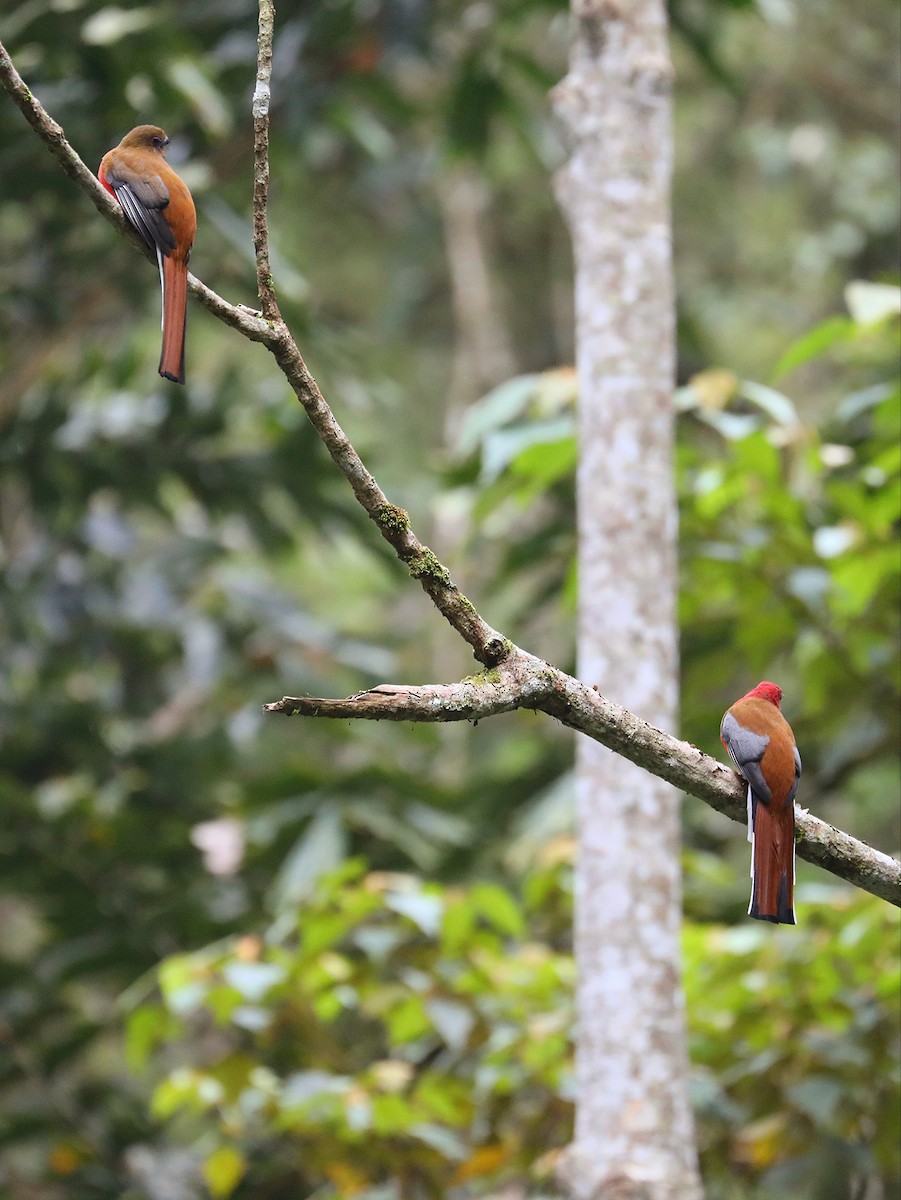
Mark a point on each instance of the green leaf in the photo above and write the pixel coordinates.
(502, 446)
(544, 464)
(318, 850)
(814, 344)
(859, 577)
(407, 1021)
(445, 1098)
(499, 407)
(145, 1028)
(457, 926)
(498, 908)
(224, 1170)
(186, 1088)
(184, 981)
(392, 1114)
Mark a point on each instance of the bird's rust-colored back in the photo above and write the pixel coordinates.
(159, 205)
(778, 761)
(762, 746)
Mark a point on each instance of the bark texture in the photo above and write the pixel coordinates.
(634, 1136)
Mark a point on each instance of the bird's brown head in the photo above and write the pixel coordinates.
(146, 137)
(767, 691)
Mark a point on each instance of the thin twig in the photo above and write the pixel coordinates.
(52, 135)
(261, 98)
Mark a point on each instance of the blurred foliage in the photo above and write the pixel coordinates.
(795, 1051)
(789, 547)
(802, 524)
(406, 1038)
(402, 1033)
(173, 558)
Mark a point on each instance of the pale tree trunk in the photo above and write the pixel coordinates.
(634, 1137)
(483, 352)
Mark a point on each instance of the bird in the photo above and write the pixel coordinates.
(762, 745)
(158, 204)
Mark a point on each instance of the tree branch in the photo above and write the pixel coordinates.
(393, 523)
(523, 681)
(261, 97)
(520, 680)
(52, 134)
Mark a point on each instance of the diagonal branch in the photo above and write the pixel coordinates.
(393, 523)
(52, 134)
(519, 680)
(522, 681)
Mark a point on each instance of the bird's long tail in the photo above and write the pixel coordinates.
(772, 835)
(174, 279)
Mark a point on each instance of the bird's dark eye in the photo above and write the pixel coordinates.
(158, 142)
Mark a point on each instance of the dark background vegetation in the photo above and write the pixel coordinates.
(372, 996)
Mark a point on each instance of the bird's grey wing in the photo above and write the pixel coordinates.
(143, 201)
(746, 749)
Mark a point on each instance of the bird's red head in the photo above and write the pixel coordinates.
(766, 691)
